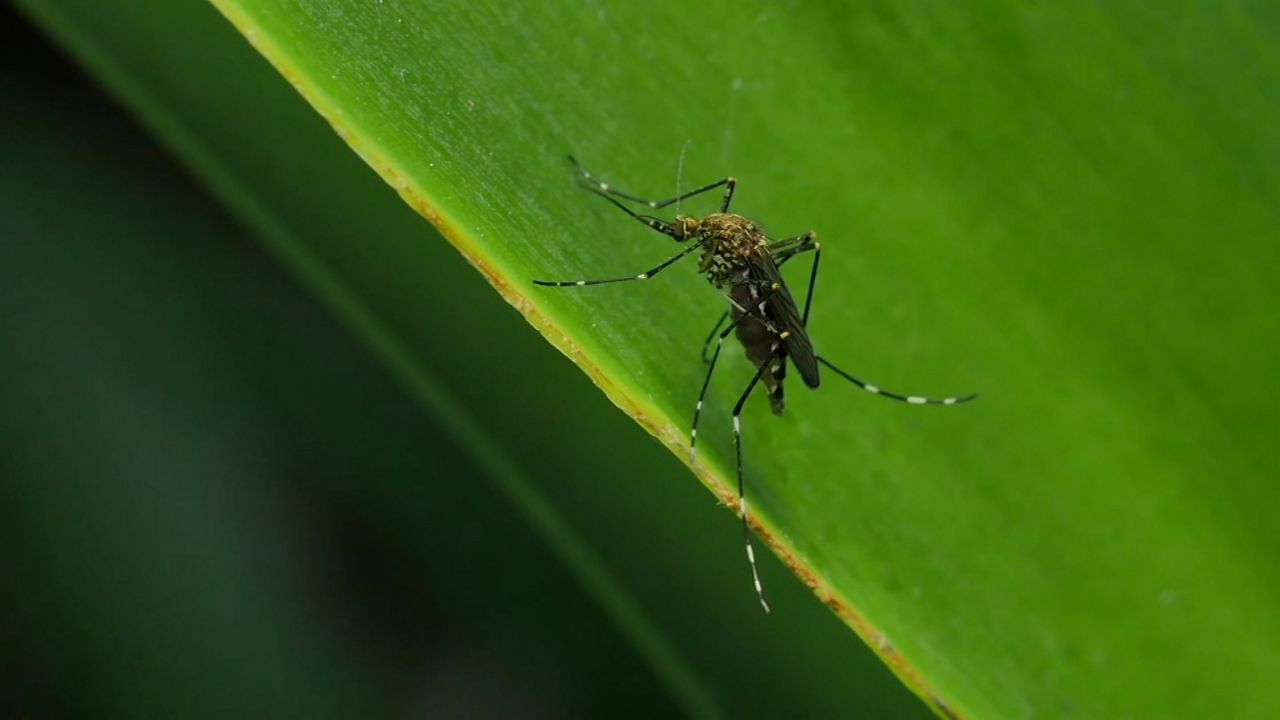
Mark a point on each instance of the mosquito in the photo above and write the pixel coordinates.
(741, 261)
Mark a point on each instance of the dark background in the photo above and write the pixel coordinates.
(202, 511)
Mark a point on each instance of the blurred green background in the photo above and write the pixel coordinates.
(216, 501)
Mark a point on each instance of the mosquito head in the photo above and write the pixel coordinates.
(685, 227)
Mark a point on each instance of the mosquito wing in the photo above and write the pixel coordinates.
(781, 309)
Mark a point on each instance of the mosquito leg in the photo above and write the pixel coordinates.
(787, 248)
(702, 394)
(808, 242)
(911, 399)
(729, 185)
(650, 221)
(712, 335)
(813, 280)
(711, 364)
(642, 276)
(597, 185)
(784, 250)
(742, 495)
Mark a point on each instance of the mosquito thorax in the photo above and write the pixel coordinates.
(728, 242)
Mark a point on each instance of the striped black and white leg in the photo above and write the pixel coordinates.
(650, 221)
(811, 244)
(742, 493)
(595, 184)
(706, 382)
(719, 336)
(642, 276)
(706, 344)
(909, 399)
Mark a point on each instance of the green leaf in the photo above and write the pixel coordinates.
(1069, 209)
(668, 586)
(1019, 202)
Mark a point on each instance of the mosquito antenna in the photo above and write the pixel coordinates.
(680, 174)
